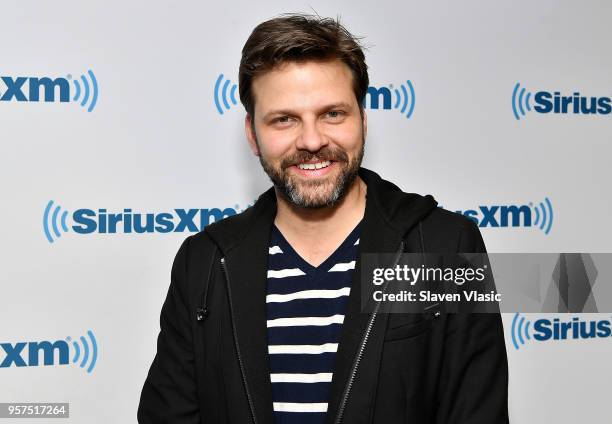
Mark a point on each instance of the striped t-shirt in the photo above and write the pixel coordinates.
(305, 311)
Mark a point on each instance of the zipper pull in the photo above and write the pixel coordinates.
(201, 313)
(433, 311)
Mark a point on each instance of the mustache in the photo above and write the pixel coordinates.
(322, 155)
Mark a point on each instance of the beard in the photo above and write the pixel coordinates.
(315, 193)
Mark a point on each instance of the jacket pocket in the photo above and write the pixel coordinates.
(408, 330)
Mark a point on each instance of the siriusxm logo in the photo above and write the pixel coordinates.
(402, 99)
(46, 89)
(555, 102)
(544, 329)
(88, 221)
(84, 353)
(530, 215)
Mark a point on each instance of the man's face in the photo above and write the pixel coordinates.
(309, 134)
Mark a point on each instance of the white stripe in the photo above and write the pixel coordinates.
(342, 267)
(308, 294)
(356, 243)
(274, 250)
(321, 377)
(301, 321)
(282, 273)
(303, 349)
(300, 407)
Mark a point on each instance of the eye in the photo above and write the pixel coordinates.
(335, 114)
(281, 120)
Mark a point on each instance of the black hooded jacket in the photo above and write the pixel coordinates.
(212, 365)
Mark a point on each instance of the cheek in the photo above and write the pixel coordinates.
(348, 137)
(275, 146)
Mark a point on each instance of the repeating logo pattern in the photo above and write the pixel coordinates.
(403, 99)
(54, 352)
(101, 221)
(47, 89)
(524, 331)
(538, 216)
(545, 102)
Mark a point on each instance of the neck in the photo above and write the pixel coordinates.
(305, 223)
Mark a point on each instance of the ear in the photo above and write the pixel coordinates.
(248, 129)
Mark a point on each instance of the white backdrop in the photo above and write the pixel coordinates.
(155, 142)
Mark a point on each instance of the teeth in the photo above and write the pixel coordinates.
(317, 165)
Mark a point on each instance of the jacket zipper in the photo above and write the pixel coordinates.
(244, 381)
(364, 341)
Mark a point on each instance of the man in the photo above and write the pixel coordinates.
(263, 323)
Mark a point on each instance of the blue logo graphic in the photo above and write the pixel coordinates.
(221, 94)
(100, 221)
(520, 330)
(555, 102)
(86, 360)
(46, 89)
(513, 215)
(52, 220)
(382, 98)
(544, 215)
(544, 329)
(520, 101)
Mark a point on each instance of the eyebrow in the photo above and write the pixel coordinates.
(291, 112)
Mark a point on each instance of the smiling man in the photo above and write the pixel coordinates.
(263, 322)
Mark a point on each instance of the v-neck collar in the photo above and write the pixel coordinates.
(331, 260)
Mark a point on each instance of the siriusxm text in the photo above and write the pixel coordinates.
(34, 89)
(555, 329)
(500, 216)
(547, 102)
(87, 221)
(14, 353)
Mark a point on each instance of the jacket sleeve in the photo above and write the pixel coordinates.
(169, 394)
(473, 387)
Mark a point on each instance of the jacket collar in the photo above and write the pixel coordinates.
(243, 240)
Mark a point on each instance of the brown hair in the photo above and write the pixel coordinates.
(299, 37)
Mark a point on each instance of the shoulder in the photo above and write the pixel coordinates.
(194, 252)
(450, 231)
(448, 220)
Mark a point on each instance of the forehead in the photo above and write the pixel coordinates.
(303, 85)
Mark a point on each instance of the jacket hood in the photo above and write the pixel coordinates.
(386, 204)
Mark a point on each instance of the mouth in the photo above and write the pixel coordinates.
(316, 165)
(314, 169)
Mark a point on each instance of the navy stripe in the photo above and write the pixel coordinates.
(308, 308)
(308, 335)
(305, 363)
(304, 418)
(305, 392)
(303, 282)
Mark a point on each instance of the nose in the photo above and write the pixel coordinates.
(311, 138)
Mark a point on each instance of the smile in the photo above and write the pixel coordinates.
(318, 165)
